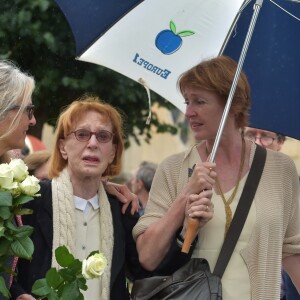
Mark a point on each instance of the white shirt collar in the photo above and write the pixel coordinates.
(81, 203)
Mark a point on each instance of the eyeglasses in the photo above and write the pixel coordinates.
(84, 135)
(265, 140)
(29, 109)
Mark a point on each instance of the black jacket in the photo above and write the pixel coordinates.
(124, 249)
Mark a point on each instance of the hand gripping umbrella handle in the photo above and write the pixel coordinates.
(191, 232)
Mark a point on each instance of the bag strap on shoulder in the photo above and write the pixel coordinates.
(242, 210)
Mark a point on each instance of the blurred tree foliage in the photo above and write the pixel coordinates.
(35, 35)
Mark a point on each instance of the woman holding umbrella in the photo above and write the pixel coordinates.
(186, 185)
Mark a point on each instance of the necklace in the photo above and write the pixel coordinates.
(227, 202)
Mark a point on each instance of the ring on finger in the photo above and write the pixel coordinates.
(207, 208)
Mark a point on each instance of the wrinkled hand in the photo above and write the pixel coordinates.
(25, 297)
(203, 178)
(200, 206)
(123, 193)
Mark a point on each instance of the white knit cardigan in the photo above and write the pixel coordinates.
(64, 224)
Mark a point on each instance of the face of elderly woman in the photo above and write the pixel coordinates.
(88, 158)
(203, 111)
(16, 138)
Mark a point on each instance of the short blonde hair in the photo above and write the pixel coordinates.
(71, 115)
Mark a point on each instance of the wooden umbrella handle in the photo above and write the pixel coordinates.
(191, 232)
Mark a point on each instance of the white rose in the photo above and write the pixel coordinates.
(30, 186)
(19, 168)
(94, 266)
(14, 189)
(6, 176)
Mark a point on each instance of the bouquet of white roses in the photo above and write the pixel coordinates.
(17, 187)
(67, 282)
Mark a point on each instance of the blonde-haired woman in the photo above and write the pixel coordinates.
(16, 116)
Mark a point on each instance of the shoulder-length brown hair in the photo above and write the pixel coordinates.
(68, 119)
(216, 76)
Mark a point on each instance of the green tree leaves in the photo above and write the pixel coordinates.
(36, 35)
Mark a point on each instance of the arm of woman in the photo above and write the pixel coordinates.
(291, 264)
(154, 242)
(123, 193)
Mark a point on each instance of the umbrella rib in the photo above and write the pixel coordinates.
(284, 10)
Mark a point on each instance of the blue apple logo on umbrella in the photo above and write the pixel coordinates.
(168, 41)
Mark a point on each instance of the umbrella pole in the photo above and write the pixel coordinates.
(192, 226)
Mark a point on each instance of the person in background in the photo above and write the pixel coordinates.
(16, 116)
(74, 208)
(38, 163)
(273, 141)
(141, 183)
(186, 185)
(264, 138)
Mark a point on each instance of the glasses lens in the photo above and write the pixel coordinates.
(30, 111)
(266, 140)
(82, 135)
(249, 136)
(104, 136)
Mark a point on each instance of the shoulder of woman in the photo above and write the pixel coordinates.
(46, 188)
(279, 157)
(282, 163)
(116, 206)
(173, 160)
(45, 193)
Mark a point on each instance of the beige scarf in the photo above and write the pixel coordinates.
(64, 224)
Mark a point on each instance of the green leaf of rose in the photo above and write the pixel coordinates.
(2, 232)
(41, 288)
(70, 291)
(52, 296)
(75, 266)
(63, 257)
(4, 246)
(53, 278)
(6, 199)
(82, 283)
(23, 211)
(23, 247)
(23, 231)
(67, 275)
(80, 297)
(92, 253)
(3, 290)
(22, 199)
(4, 212)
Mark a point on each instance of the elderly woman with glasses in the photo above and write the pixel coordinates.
(75, 210)
(16, 116)
(264, 138)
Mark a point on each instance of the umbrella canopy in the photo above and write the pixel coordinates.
(272, 65)
(156, 41)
